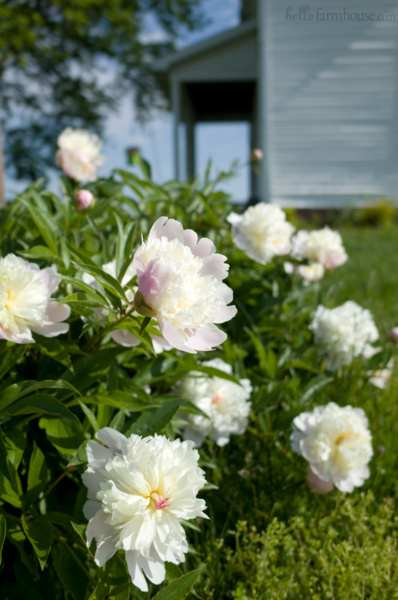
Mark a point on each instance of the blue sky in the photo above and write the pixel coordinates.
(222, 143)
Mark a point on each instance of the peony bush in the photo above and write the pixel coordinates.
(174, 380)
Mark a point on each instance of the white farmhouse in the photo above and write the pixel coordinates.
(318, 82)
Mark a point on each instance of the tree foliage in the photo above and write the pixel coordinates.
(68, 62)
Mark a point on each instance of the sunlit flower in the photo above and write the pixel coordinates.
(25, 301)
(262, 232)
(79, 154)
(322, 246)
(84, 199)
(337, 443)
(346, 332)
(123, 336)
(139, 492)
(180, 284)
(312, 272)
(225, 403)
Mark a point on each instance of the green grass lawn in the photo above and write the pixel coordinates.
(370, 276)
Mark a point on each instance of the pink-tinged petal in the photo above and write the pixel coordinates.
(168, 228)
(57, 312)
(113, 439)
(215, 265)
(204, 248)
(317, 485)
(125, 338)
(206, 338)
(51, 329)
(159, 343)
(153, 283)
(135, 571)
(173, 336)
(190, 239)
(225, 313)
(51, 279)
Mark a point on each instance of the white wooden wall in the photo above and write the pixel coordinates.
(331, 124)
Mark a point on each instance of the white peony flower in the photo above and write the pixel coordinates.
(262, 232)
(79, 154)
(139, 492)
(346, 332)
(225, 403)
(337, 443)
(25, 301)
(180, 284)
(123, 336)
(322, 246)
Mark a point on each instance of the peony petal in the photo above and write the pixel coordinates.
(225, 313)
(135, 571)
(155, 571)
(113, 439)
(125, 338)
(206, 338)
(215, 265)
(173, 336)
(57, 312)
(204, 248)
(97, 454)
(91, 508)
(51, 329)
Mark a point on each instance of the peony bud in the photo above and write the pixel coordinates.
(316, 485)
(256, 155)
(84, 199)
(394, 334)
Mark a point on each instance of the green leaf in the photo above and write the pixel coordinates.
(80, 457)
(9, 395)
(107, 281)
(41, 536)
(179, 588)
(4, 461)
(3, 531)
(40, 404)
(70, 575)
(65, 436)
(37, 475)
(90, 415)
(12, 355)
(100, 592)
(38, 252)
(314, 385)
(153, 421)
(44, 224)
(57, 351)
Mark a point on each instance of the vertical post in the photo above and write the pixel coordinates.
(255, 192)
(176, 108)
(190, 124)
(2, 176)
(263, 34)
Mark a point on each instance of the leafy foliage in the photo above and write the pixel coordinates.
(55, 394)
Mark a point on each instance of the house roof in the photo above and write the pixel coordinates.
(165, 65)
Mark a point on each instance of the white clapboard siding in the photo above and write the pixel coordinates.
(332, 103)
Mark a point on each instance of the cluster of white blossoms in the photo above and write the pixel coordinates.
(139, 492)
(322, 246)
(262, 232)
(345, 332)
(225, 403)
(337, 443)
(79, 154)
(25, 301)
(180, 284)
(123, 336)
